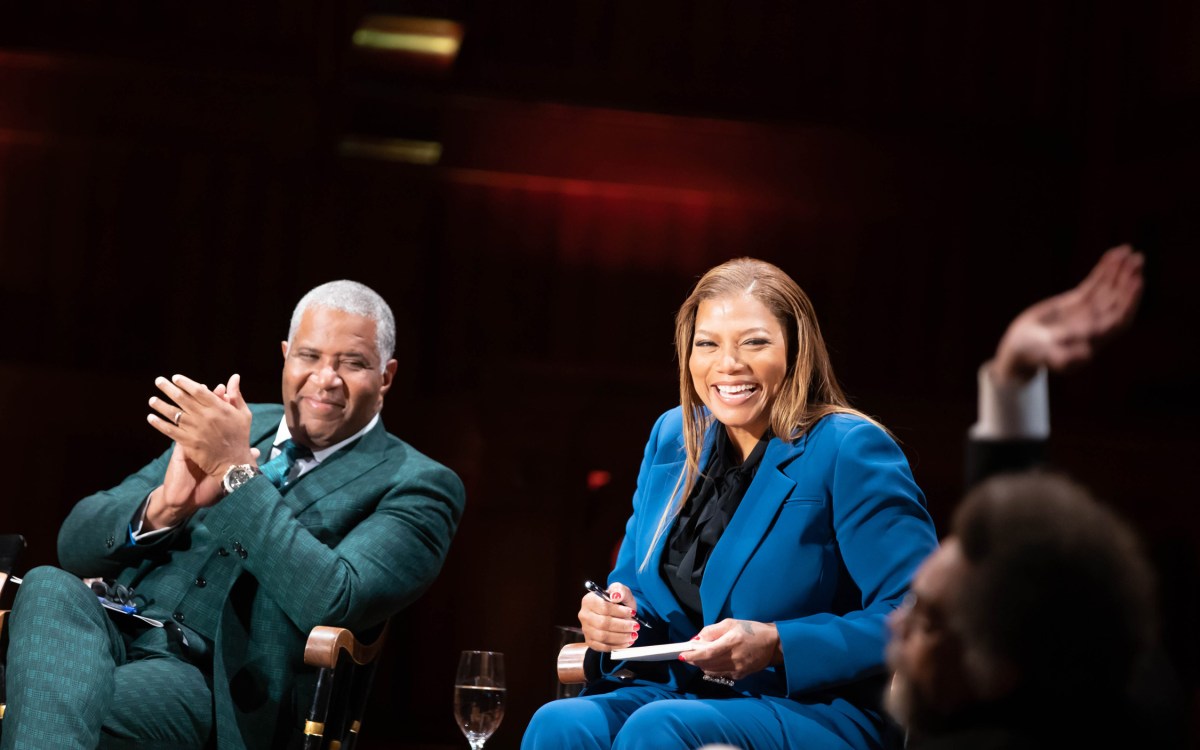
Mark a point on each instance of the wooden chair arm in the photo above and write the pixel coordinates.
(571, 664)
(324, 643)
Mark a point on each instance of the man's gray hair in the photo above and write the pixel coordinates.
(356, 299)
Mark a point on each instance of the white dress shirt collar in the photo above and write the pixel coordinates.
(283, 433)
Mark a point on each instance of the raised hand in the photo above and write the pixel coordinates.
(1063, 332)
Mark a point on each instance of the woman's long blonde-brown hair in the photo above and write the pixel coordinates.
(809, 390)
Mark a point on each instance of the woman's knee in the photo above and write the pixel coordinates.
(669, 724)
(567, 724)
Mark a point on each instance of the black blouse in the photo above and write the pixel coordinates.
(703, 519)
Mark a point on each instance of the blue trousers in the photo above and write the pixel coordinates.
(77, 682)
(651, 718)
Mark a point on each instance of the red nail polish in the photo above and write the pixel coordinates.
(636, 627)
(632, 637)
(681, 658)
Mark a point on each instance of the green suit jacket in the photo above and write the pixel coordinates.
(352, 542)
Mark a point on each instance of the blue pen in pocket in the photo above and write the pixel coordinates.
(128, 609)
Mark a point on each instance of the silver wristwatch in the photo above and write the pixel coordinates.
(237, 475)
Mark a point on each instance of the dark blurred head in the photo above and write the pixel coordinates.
(1040, 595)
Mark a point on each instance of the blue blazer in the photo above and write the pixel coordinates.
(823, 544)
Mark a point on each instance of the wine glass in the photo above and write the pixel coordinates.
(479, 695)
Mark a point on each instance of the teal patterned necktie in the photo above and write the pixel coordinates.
(280, 470)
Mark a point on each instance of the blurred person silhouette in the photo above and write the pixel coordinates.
(1057, 335)
(1024, 627)
(773, 525)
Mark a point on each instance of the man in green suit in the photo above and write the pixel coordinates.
(238, 561)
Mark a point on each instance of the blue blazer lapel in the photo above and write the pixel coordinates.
(662, 482)
(663, 478)
(749, 525)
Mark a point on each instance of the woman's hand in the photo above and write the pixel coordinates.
(609, 625)
(736, 648)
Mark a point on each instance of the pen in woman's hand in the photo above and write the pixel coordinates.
(593, 587)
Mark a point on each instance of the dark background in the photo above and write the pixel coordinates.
(174, 176)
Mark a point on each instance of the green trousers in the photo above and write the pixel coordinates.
(75, 680)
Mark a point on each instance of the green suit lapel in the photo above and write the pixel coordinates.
(348, 464)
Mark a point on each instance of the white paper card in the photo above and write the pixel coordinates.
(661, 652)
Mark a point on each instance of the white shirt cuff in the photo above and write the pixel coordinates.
(1013, 412)
(135, 526)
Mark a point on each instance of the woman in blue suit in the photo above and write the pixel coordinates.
(773, 526)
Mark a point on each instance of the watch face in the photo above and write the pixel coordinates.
(237, 475)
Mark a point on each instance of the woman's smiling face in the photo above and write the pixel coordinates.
(738, 364)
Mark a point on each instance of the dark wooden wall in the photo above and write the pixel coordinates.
(173, 178)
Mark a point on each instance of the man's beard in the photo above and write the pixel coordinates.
(911, 708)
